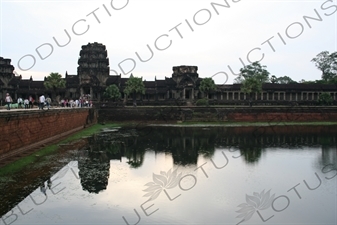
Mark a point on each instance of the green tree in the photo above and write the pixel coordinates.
(273, 79)
(325, 99)
(207, 85)
(255, 70)
(252, 77)
(134, 86)
(112, 92)
(54, 82)
(202, 102)
(285, 80)
(307, 82)
(251, 85)
(327, 63)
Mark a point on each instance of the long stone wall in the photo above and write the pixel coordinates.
(213, 114)
(22, 130)
(28, 129)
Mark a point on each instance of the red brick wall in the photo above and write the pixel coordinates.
(213, 114)
(19, 129)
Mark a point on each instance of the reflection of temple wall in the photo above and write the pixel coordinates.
(103, 144)
(329, 156)
(277, 135)
(184, 151)
(186, 144)
(257, 136)
(266, 140)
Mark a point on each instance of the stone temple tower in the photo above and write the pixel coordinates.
(93, 69)
(6, 74)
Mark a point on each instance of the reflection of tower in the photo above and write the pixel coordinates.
(95, 167)
(94, 172)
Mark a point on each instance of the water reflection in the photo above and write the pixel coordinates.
(135, 154)
(251, 154)
(328, 157)
(186, 144)
(94, 172)
(45, 185)
(135, 150)
(94, 165)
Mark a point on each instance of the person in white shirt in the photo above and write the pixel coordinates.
(8, 101)
(42, 100)
(71, 103)
(26, 103)
(20, 102)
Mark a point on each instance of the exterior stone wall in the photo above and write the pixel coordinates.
(28, 129)
(171, 114)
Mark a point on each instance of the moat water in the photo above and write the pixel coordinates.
(175, 175)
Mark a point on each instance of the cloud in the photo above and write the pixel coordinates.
(201, 33)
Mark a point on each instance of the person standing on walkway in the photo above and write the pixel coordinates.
(31, 101)
(20, 102)
(42, 100)
(48, 101)
(8, 101)
(26, 103)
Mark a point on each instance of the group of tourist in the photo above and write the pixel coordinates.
(81, 102)
(28, 103)
(43, 101)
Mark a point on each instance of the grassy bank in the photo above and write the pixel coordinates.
(48, 150)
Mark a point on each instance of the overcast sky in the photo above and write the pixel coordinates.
(213, 35)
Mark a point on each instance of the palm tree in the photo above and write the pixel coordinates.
(54, 82)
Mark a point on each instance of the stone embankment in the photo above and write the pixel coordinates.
(22, 130)
(172, 114)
